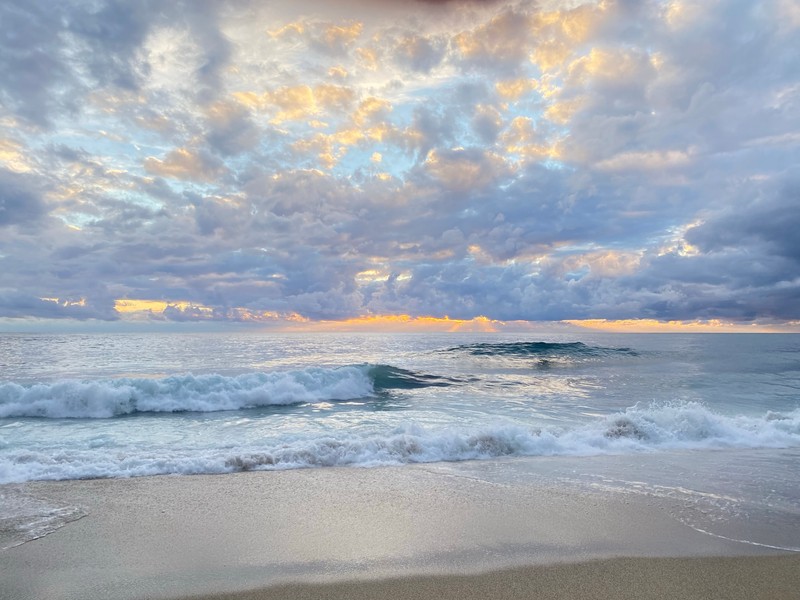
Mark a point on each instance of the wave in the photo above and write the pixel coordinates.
(104, 399)
(687, 426)
(386, 377)
(542, 350)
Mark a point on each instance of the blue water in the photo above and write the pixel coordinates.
(78, 406)
(708, 423)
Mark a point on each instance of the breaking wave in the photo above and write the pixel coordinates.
(686, 426)
(104, 399)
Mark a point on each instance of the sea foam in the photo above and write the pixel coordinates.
(201, 393)
(680, 426)
(103, 399)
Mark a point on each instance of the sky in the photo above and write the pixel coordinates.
(459, 164)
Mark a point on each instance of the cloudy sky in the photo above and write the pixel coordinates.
(297, 162)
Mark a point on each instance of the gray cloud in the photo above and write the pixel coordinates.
(54, 53)
(20, 200)
(16, 304)
(643, 170)
(768, 220)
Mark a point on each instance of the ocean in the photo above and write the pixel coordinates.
(709, 423)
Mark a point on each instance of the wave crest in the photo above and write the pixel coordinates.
(105, 399)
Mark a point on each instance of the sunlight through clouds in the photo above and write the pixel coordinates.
(516, 161)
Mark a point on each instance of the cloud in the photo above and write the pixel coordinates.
(300, 101)
(20, 200)
(501, 43)
(54, 54)
(420, 53)
(231, 129)
(638, 161)
(323, 36)
(516, 160)
(465, 169)
(184, 163)
(20, 305)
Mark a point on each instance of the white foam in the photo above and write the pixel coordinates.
(204, 393)
(24, 517)
(638, 429)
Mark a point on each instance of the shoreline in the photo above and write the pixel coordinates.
(413, 531)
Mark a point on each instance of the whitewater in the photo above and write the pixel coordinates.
(709, 424)
(217, 403)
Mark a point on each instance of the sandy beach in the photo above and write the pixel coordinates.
(622, 579)
(444, 531)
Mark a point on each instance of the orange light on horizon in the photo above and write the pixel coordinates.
(129, 305)
(400, 323)
(697, 326)
(138, 309)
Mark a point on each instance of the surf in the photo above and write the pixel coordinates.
(105, 399)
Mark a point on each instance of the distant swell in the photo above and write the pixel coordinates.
(203, 393)
(541, 349)
(638, 429)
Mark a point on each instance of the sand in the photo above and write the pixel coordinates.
(427, 531)
(751, 578)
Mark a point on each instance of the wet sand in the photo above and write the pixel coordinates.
(730, 578)
(426, 531)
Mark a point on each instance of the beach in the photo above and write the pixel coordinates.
(489, 529)
(425, 299)
(623, 579)
(469, 466)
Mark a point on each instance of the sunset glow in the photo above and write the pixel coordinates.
(653, 326)
(405, 323)
(605, 164)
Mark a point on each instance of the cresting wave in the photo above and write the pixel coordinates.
(204, 393)
(687, 426)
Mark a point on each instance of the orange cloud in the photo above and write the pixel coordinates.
(183, 163)
(461, 170)
(521, 138)
(342, 35)
(514, 89)
(142, 309)
(298, 102)
(404, 323)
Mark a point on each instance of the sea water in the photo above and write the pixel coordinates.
(709, 422)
